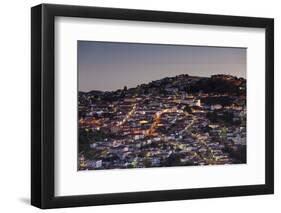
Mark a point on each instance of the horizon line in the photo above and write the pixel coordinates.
(158, 80)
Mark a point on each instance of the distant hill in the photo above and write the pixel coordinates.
(178, 84)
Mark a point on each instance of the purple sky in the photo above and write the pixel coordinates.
(109, 66)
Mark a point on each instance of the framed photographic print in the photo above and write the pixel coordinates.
(139, 106)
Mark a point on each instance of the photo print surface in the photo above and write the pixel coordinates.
(160, 105)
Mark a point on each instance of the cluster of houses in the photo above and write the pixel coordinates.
(170, 129)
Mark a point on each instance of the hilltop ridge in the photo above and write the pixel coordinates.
(219, 83)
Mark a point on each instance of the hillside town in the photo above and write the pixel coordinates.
(175, 121)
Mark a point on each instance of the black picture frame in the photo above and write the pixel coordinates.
(43, 111)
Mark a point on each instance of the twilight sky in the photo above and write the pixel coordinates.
(110, 66)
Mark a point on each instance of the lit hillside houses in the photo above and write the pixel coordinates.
(177, 121)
